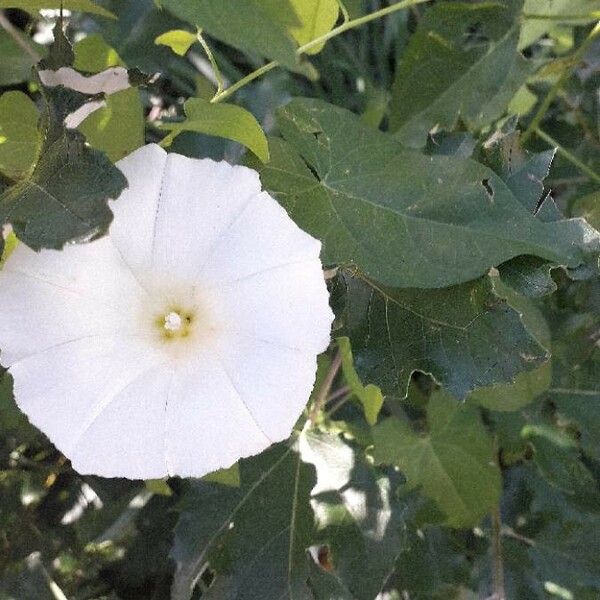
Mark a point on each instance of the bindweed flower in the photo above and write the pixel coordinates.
(185, 339)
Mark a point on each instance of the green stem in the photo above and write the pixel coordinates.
(497, 559)
(213, 62)
(346, 26)
(569, 156)
(564, 18)
(19, 39)
(549, 99)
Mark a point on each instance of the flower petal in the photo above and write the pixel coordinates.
(208, 424)
(56, 296)
(179, 207)
(126, 439)
(200, 202)
(274, 382)
(262, 238)
(287, 306)
(67, 388)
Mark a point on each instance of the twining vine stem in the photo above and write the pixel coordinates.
(568, 155)
(555, 89)
(323, 394)
(18, 38)
(345, 26)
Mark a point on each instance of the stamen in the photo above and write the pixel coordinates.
(173, 322)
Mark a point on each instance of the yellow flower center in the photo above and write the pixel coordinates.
(175, 324)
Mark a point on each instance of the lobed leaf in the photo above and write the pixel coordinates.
(453, 463)
(403, 218)
(465, 336)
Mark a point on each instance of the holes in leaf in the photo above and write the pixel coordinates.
(474, 37)
(487, 186)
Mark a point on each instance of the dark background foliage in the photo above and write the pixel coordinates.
(455, 439)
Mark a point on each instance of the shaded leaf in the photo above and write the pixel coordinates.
(462, 62)
(453, 464)
(403, 218)
(244, 24)
(358, 515)
(34, 6)
(65, 198)
(529, 384)
(465, 336)
(15, 64)
(264, 554)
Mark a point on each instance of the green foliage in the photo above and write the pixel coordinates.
(460, 335)
(179, 40)
(370, 395)
(225, 120)
(559, 11)
(265, 556)
(77, 5)
(454, 215)
(462, 62)
(453, 463)
(454, 429)
(15, 63)
(244, 24)
(19, 136)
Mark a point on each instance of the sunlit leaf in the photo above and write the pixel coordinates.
(20, 139)
(223, 120)
(452, 463)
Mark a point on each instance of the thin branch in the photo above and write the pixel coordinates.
(19, 39)
(555, 89)
(325, 389)
(497, 560)
(511, 533)
(213, 62)
(345, 26)
(569, 156)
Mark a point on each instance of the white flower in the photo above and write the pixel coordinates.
(185, 339)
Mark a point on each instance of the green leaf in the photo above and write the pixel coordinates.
(19, 137)
(462, 62)
(588, 207)
(317, 17)
(405, 219)
(65, 198)
(118, 128)
(15, 64)
(179, 40)
(264, 556)
(358, 515)
(464, 336)
(93, 54)
(223, 120)
(244, 24)
(33, 6)
(556, 457)
(370, 396)
(453, 464)
(529, 385)
(565, 548)
(565, 11)
(576, 394)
